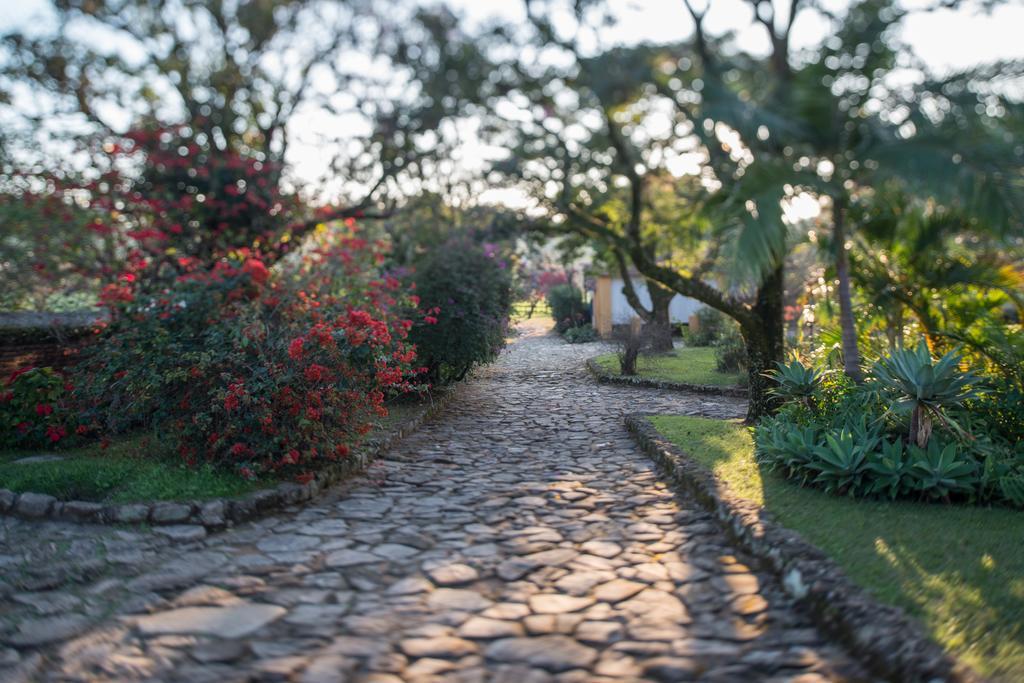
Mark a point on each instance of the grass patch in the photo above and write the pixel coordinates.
(142, 468)
(959, 569)
(690, 365)
(521, 311)
(130, 470)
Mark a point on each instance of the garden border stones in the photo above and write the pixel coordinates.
(605, 377)
(182, 519)
(884, 637)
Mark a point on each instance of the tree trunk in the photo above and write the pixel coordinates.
(658, 327)
(894, 326)
(851, 354)
(765, 341)
(627, 360)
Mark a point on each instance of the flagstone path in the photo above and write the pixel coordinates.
(519, 538)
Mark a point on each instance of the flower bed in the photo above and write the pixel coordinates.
(918, 428)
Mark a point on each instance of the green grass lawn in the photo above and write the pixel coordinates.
(141, 468)
(694, 365)
(131, 469)
(959, 569)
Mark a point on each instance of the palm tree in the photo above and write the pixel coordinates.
(947, 272)
(836, 128)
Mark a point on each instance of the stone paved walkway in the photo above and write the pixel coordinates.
(521, 538)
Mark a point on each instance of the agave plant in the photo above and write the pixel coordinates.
(784, 446)
(938, 471)
(1011, 486)
(796, 382)
(841, 462)
(889, 469)
(924, 388)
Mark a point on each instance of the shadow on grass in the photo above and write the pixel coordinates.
(960, 569)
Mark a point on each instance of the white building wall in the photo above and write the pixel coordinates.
(680, 309)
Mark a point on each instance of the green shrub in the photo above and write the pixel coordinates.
(711, 325)
(470, 291)
(581, 334)
(730, 351)
(567, 307)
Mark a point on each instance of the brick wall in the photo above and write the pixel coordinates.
(43, 339)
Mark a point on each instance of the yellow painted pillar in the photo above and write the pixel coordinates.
(603, 305)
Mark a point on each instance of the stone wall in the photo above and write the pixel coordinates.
(43, 339)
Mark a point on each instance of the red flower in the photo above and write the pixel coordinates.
(361, 318)
(44, 409)
(316, 373)
(341, 450)
(304, 478)
(230, 402)
(430, 320)
(256, 270)
(55, 434)
(389, 376)
(239, 449)
(295, 349)
(291, 457)
(113, 293)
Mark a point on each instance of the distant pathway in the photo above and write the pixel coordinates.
(520, 538)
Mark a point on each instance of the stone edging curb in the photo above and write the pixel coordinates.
(605, 377)
(216, 513)
(884, 637)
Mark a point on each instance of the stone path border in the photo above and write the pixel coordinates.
(887, 640)
(216, 513)
(606, 377)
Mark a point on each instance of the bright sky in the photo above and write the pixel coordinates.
(944, 39)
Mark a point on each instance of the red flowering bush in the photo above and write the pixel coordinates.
(155, 204)
(192, 198)
(264, 370)
(34, 409)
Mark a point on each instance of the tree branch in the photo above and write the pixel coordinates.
(629, 290)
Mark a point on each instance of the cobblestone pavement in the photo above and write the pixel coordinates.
(519, 538)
